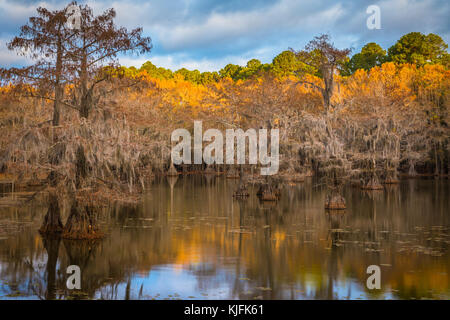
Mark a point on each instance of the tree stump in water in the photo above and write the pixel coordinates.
(268, 196)
(232, 174)
(209, 170)
(335, 202)
(391, 177)
(412, 169)
(268, 193)
(52, 221)
(81, 224)
(34, 181)
(260, 190)
(172, 172)
(241, 192)
(373, 184)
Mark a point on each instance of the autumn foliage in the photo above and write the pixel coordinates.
(92, 131)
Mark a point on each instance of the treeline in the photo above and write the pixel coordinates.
(413, 48)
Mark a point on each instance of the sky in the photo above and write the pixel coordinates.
(208, 34)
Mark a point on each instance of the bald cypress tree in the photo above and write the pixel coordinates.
(72, 51)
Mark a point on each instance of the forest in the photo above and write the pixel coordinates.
(89, 132)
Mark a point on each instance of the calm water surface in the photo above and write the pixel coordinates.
(189, 239)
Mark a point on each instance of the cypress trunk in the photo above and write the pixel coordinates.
(52, 221)
(81, 224)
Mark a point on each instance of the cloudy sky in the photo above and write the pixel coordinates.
(208, 34)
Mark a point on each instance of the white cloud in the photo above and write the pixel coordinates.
(20, 11)
(8, 57)
(191, 34)
(218, 27)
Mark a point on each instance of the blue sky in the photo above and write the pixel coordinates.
(208, 34)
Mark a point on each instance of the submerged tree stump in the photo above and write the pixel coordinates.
(372, 184)
(34, 181)
(81, 224)
(209, 170)
(172, 172)
(241, 192)
(268, 196)
(412, 169)
(335, 202)
(268, 193)
(232, 174)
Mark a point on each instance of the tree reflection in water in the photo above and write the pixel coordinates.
(190, 238)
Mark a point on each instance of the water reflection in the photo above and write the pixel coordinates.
(189, 239)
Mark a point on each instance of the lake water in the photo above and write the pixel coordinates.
(189, 239)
